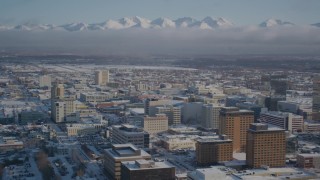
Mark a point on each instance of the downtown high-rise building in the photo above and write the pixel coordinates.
(61, 106)
(266, 146)
(57, 91)
(102, 77)
(210, 116)
(213, 150)
(234, 123)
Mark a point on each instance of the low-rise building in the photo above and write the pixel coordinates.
(174, 142)
(143, 169)
(156, 124)
(120, 153)
(126, 133)
(311, 126)
(10, 144)
(308, 161)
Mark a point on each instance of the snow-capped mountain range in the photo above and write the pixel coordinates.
(139, 22)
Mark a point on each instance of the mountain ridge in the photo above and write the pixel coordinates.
(144, 23)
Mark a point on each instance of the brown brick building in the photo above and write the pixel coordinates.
(119, 153)
(213, 150)
(265, 146)
(234, 123)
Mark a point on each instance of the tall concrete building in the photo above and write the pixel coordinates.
(234, 123)
(191, 113)
(57, 91)
(212, 150)
(265, 146)
(58, 111)
(173, 113)
(45, 81)
(101, 77)
(154, 103)
(69, 105)
(57, 104)
(210, 116)
(316, 98)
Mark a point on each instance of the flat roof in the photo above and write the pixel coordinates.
(134, 165)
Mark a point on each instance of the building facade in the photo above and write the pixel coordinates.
(156, 124)
(210, 151)
(120, 153)
(173, 114)
(308, 161)
(210, 116)
(266, 146)
(234, 123)
(125, 133)
(102, 77)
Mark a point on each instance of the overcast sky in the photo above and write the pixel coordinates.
(241, 12)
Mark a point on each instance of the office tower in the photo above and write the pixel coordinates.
(252, 107)
(125, 133)
(234, 123)
(210, 116)
(272, 102)
(173, 114)
(143, 169)
(154, 103)
(156, 124)
(265, 146)
(211, 150)
(58, 111)
(57, 104)
(102, 77)
(278, 83)
(57, 91)
(191, 113)
(279, 86)
(316, 98)
(120, 153)
(45, 81)
(69, 105)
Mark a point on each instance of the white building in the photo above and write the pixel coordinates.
(174, 142)
(102, 77)
(156, 124)
(45, 81)
(125, 133)
(287, 121)
(95, 97)
(58, 111)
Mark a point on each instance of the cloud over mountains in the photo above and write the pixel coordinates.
(186, 36)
